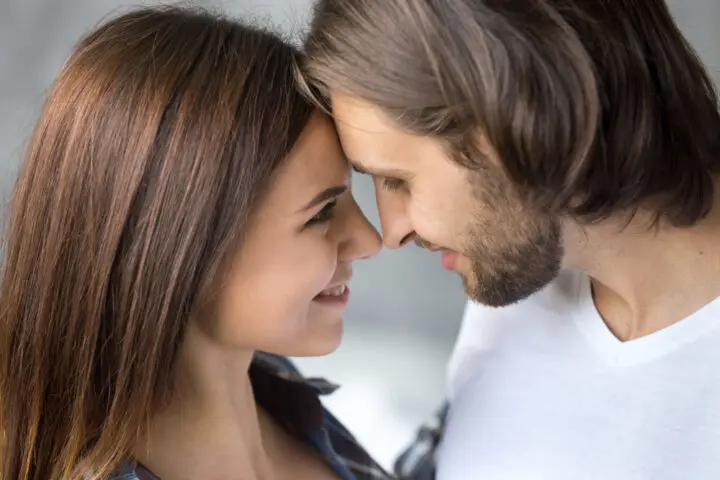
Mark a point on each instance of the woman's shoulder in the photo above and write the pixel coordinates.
(294, 402)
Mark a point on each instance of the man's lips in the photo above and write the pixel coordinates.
(449, 257)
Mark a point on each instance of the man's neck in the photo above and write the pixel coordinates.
(647, 279)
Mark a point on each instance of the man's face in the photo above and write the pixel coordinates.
(504, 249)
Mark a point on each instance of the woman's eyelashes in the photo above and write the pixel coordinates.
(324, 215)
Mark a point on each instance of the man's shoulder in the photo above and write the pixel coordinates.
(487, 329)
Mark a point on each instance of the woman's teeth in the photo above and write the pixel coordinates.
(334, 291)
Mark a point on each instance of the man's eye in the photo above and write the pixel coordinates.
(324, 215)
(392, 183)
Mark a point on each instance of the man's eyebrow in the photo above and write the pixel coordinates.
(380, 172)
(325, 195)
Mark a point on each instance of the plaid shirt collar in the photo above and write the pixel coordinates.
(294, 402)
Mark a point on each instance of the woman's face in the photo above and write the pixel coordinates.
(287, 287)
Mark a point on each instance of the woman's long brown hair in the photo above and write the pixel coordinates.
(161, 131)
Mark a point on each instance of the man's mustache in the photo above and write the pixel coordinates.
(422, 243)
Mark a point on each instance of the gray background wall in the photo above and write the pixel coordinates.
(405, 310)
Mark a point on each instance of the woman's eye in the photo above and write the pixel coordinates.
(324, 215)
(392, 183)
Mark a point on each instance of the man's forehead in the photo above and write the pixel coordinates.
(352, 113)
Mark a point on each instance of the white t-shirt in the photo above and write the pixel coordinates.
(543, 390)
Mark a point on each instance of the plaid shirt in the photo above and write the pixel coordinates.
(294, 403)
(418, 461)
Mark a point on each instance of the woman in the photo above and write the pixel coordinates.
(180, 208)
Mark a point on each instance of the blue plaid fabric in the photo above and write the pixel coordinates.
(294, 402)
(417, 462)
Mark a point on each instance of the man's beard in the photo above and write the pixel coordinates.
(514, 271)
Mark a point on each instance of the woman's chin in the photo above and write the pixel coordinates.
(322, 341)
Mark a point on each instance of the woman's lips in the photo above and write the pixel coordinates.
(336, 296)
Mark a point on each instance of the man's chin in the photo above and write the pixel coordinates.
(478, 295)
(498, 295)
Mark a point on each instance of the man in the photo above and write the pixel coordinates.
(564, 156)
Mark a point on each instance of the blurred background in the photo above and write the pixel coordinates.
(405, 309)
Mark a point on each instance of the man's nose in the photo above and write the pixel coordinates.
(362, 241)
(395, 222)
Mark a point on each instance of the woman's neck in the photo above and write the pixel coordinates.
(212, 428)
